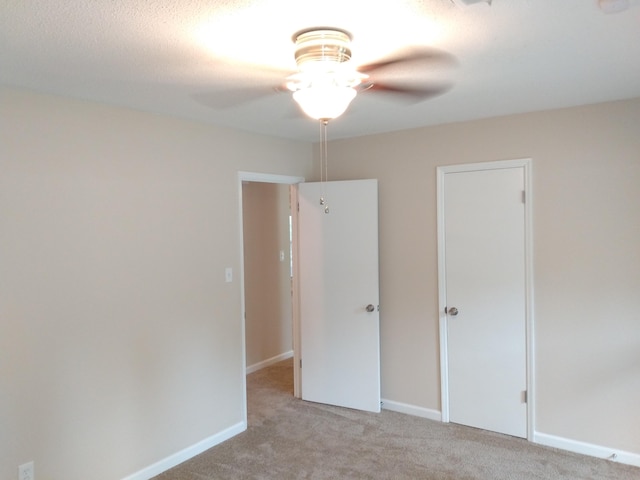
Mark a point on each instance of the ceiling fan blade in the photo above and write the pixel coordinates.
(408, 93)
(414, 57)
(244, 84)
(235, 97)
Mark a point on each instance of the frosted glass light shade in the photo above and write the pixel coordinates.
(324, 102)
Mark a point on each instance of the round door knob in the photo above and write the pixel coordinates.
(370, 308)
(453, 311)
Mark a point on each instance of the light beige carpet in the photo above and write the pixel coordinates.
(292, 439)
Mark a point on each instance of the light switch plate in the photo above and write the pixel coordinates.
(26, 471)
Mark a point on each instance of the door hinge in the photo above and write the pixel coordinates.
(300, 363)
(525, 397)
(298, 206)
(524, 196)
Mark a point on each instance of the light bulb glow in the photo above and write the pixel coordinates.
(324, 102)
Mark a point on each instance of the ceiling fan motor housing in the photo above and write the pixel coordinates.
(322, 47)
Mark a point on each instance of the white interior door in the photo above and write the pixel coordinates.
(485, 297)
(338, 273)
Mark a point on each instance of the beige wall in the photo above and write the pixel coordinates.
(586, 182)
(267, 280)
(120, 342)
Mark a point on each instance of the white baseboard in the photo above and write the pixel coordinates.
(270, 361)
(575, 446)
(589, 449)
(189, 452)
(412, 410)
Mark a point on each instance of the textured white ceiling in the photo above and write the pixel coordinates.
(207, 60)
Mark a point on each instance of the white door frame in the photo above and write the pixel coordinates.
(526, 164)
(285, 180)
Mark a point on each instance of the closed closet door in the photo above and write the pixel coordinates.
(485, 297)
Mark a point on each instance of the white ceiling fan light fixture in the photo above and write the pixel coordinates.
(325, 83)
(324, 103)
(326, 79)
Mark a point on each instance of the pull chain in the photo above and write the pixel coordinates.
(323, 162)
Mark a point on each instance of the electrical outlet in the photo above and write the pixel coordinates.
(26, 471)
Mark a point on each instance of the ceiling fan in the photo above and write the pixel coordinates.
(327, 81)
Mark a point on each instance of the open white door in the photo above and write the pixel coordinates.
(338, 273)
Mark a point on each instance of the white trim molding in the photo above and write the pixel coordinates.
(269, 361)
(269, 178)
(599, 451)
(411, 410)
(183, 455)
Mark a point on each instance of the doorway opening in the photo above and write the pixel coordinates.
(267, 234)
